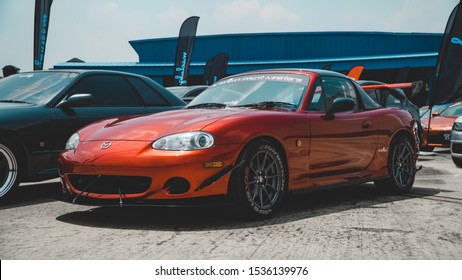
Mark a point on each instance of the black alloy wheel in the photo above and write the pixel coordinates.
(260, 181)
(401, 167)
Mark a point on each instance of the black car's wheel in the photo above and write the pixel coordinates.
(9, 176)
(401, 167)
(457, 161)
(259, 181)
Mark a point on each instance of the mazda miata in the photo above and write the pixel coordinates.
(247, 140)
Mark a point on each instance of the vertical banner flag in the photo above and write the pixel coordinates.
(41, 21)
(208, 70)
(447, 84)
(217, 68)
(184, 49)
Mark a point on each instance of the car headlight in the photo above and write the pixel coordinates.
(185, 141)
(457, 126)
(73, 142)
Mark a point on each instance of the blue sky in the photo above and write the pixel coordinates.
(99, 30)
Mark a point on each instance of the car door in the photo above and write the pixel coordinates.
(113, 96)
(344, 142)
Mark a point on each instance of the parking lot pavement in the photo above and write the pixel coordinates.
(354, 222)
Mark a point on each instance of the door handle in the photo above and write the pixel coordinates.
(367, 124)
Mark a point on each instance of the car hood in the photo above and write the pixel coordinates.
(151, 127)
(441, 122)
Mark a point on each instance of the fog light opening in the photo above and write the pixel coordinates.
(177, 185)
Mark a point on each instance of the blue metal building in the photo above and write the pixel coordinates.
(382, 54)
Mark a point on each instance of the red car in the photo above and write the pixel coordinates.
(247, 140)
(439, 134)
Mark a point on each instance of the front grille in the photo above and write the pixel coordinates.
(438, 139)
(457, 148)
(105, 184)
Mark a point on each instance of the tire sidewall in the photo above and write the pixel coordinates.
(240, 188)
(8, 151)
(397, 187)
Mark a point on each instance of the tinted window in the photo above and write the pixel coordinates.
(147, 93)
(318, 101)
(374, 94)
(368, 102)
(108, 90)
(34, 87)
(392, 101)
(335, 87)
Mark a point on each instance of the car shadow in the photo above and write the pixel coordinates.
(295, 208)
(31, 194)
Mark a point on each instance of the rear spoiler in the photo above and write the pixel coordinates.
(416, 86)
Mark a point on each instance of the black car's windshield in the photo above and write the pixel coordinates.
(275, 89)
(33, 87)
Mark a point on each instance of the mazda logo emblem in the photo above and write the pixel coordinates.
(105, 145)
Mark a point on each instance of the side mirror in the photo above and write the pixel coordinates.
(416, 87)
(79, 99)
(435, 114)
(342, 104)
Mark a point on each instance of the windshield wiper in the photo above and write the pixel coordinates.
(207, 105)
(269, 104)
(15, 101)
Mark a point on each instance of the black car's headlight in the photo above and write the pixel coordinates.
(73, 142)
(457, 126)
(186, 141)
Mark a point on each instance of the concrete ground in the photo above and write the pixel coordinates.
(354, 222)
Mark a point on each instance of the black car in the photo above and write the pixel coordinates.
(40, 110)
(393, 97)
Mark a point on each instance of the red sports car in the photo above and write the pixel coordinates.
(247, 140)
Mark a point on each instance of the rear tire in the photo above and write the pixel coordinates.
(401, 167)
(457, 161)
(9, 170)
(258, 184)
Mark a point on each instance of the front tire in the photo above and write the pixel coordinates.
(401, 167)
(457, 161)
(259, 183)
(9, 170)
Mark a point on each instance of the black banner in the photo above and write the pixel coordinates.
(41, 21)
(447, 85)
(184, 49)
(215, 68)
(208, 70)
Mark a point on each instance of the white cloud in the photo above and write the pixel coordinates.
(173, 16)
(415, 16)
(253, 16)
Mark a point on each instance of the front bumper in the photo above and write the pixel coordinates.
(437, 138)
(136, 172)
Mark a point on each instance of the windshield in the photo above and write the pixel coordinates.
(436, 108)
(33, 87)
(455, 110)
(247, 90)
